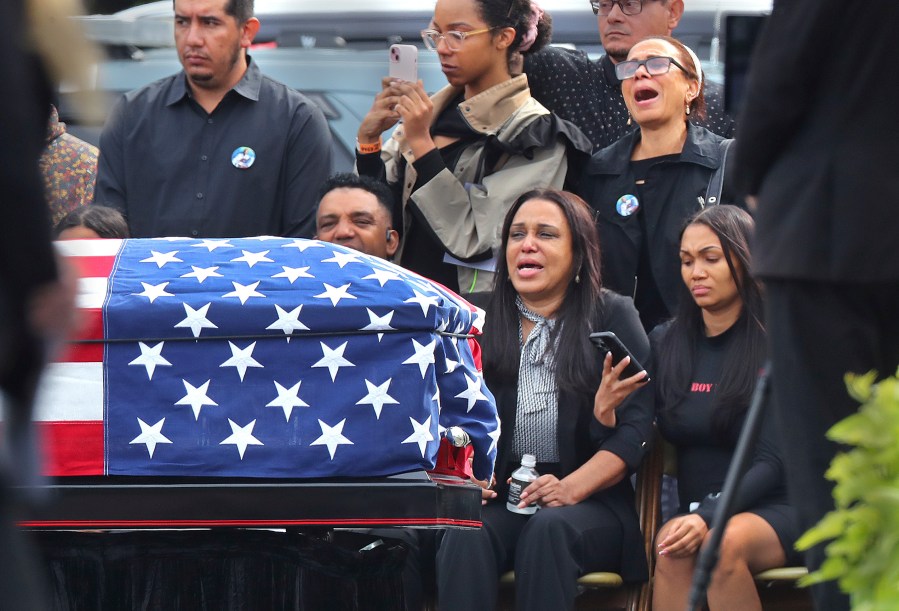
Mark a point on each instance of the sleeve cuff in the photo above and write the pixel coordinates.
(428, 167)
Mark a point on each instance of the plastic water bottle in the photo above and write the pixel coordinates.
(521, 478)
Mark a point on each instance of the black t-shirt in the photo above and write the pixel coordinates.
(647, 297)
(703, 456)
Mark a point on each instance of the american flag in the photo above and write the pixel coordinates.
(259, 357)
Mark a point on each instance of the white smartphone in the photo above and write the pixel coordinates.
(404, 62)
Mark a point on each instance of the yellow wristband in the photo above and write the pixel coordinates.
(367, 149)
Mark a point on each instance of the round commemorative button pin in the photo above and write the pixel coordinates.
(243, 157)
(627, 205)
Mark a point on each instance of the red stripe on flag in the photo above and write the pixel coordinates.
(90, 327)
(71, 448)
(92, 267)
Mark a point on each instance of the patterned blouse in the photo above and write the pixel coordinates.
(69, 168)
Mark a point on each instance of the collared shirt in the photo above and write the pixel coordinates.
(588, 94)
(252, 166)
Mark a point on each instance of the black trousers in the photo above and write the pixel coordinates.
(548, 550)
(817, 333)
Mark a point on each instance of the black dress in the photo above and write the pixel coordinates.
(704, 453)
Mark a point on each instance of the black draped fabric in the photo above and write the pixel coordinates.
(221, 570)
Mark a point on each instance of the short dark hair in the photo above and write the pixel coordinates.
(575, 364)
(348, 180)
(242, 10)
(105, 222)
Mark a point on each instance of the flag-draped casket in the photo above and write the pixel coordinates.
(259, 357)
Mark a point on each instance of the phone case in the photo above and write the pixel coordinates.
(404, 62)
(607, 341)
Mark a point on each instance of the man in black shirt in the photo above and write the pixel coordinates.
(588, 93)
(217, 150)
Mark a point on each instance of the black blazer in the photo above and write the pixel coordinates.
(817, 142)
(580, 435)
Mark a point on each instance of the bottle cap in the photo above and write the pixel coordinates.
(529, 460)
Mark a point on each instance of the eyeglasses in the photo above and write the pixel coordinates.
(452, 38)
(628, 7)
(655, 66)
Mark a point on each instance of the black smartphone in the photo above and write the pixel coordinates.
(606, 341)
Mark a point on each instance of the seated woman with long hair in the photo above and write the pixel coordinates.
(461, 157)
(646, 185)
(707, 362)
(562, 401)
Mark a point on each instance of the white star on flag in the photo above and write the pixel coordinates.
(213, 244)
(342, 258)
(494, 436)
(333, 359)
(472, 393)
(241, 359)
(302, 245)
(150, 358)
(243, 292)
(424, 356)
(201, 273)
(383, 276)
(288, 398)
(241, 436)
(436, 399)
(161, 258)
(150, 435)
(451, 365)
(196, 319)
(335, 294)
(332, 436)
(378, 323)
(422, 434)
(196, 397)
(152, 291)
(377, 397)
(288, 321)
(423, 300)
(292, 273)
(252, 258)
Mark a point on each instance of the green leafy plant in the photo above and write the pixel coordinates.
(863, 529)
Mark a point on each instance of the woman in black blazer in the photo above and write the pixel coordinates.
(559, 399)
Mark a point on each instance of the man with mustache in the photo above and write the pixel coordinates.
(588, 93)
(219, 149)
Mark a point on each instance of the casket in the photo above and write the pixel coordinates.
(259, 357)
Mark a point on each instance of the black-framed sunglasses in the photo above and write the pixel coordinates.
(655, 66)
(628, 7)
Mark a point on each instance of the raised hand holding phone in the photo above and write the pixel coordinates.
(622, 374)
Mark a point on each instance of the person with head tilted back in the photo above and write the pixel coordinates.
(585, 90)
(461, 157)
(645, 186)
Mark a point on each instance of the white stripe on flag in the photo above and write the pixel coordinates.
(88, 248)
(91, 292)
(70, 392)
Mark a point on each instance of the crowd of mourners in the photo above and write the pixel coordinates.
(563, 195)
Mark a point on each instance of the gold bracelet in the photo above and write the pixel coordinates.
(368, 148)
